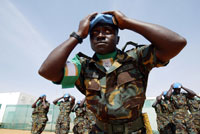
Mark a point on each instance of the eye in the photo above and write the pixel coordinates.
(108, 31)
(94, 32)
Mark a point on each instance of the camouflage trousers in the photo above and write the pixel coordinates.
(165, 125)
(81, 126)
(184, 123)
(38, 125)
(63, 125)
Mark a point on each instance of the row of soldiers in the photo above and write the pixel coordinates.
(178, 112)
(82, 123)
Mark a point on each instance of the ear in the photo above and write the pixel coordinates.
(117, 39)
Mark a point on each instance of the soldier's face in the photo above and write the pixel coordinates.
(177, 90)
(66, 98)
(103, 39)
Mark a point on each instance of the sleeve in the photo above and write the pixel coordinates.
(147, 57)
(58, 103)
(71, 73)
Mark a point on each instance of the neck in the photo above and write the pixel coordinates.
(107, 56)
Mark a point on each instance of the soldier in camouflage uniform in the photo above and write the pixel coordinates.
(63, 120)
(181, 118)
(81, 124)
(113, 81)
(164, 113)
(39, 115)
(90, 117)
(194, 108)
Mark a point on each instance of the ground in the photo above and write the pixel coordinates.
(12, 131)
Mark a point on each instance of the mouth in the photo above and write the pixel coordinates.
(101, 43)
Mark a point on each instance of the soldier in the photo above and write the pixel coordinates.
(81, 124)
(90, 117)
(113, 81)
(63, 120)
(164, 112)
(39, 115)
(194, 108)
(181, 118)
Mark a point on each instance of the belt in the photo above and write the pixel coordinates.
(126, 128)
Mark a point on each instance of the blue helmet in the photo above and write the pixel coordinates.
(176, 85)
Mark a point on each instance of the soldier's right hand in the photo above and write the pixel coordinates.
(84, 25)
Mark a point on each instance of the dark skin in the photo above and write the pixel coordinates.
(43, 100)
(158, 99)
(167, 43)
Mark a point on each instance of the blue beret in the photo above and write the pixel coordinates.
(42, 95)
(164, 93)
(66, 95)
(176, 85)
(102, 18)
(79, 102)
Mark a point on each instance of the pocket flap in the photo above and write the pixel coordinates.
(123, 78)
(94, 85)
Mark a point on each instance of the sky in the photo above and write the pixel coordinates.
(30, 30)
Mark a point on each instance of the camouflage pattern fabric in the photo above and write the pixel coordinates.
(63, 120)
(90, 118)
(39, 118)
(181, 118)
(194, 108)
(81, 124)
(120, 91)
(167, 114)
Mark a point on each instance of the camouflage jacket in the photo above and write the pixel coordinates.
(158, 109)
(65, 107)
(193, 105)
(179, 102)
(167, 107)
(40, 110)
(117, 95)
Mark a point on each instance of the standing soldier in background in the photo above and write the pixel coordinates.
(81, 124)
(164, 113)
(39, 115)
(90, 116)
(181, 118)
(63, 120)
(114, 82)
(194, 108)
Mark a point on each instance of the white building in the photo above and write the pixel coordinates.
(13, 98)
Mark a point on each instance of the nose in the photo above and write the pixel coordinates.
(100, 36)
